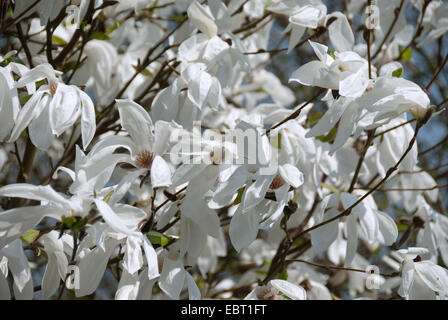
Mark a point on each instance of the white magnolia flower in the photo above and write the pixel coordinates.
(56, 269)
(174, 278)
(302, 15)
(434, 234)
(12, 257)
(53, 109)
(202, 19)
(147, 143)
(364, 221)
(347, 72)
(421, 280)
(274, 289)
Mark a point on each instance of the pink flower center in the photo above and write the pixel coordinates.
(277, 182)
(53, 87)
(144, 159)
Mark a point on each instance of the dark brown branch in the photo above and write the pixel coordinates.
(296, 113)
(393, 128)
(436, 74)
(330, 267)
(397, 15)
(389, 173)
(438, 144)
(370, 137)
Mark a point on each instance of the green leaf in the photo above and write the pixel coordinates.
(298, 242)
(402, 227)
(24, 99)
(178, 17)
(58, 40)
(154, 6)
(331, 53)
(144, 72)
(99, 36)
(407, 54)
(157, 238)
(398, 73)
(69, 222)
(268, 4)
(41, 83)
(276, 141)
(80, 223)
(108, 196)
(383, 203)
(239, 196)
(30, 236)
(314, 118)
(283, 275)
(111, 29)
(147, 73)
(330, 136)
(8, 61)
(83, 25)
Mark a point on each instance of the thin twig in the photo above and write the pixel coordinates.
(397, 15)
(370, 137)
(330, 267)
(436, 74)
(389, 173)
(296, 113)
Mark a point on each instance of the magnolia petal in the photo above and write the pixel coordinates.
(340, 32)
(25, 116)
(434, 276)
(243, 228)
(160, 173)
(202, 19)
(6, 109)
(137, 122)
(291, 175)
(296, 34)
(323, 237)
(113, 220)
(387, 228)
(255, 192)
(44, 70)
(308, 16)
(291, 290)
(39, 193)
(15, 222)
(128, 287)
(352, 240)
(172, 278)
(193, 290)
(91, 268)
(133, 258)
(19, 267)
(40, 132)
(329, 119)
(51, 279)
(88, 123)
(407, 279)
(5, 294)
(309, 73)
(151, 258)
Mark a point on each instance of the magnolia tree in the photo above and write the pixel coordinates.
(242, 149)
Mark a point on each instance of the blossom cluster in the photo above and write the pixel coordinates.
(148, 141)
